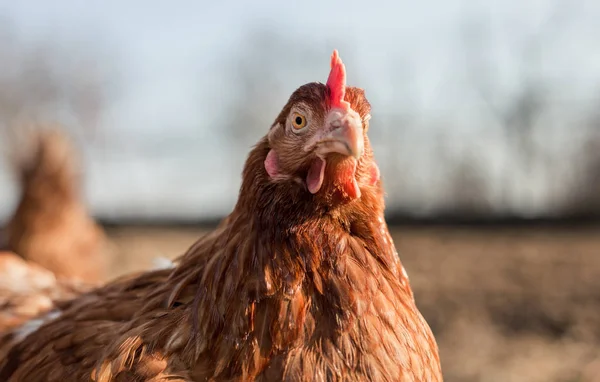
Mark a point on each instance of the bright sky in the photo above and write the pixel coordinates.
(170, 59)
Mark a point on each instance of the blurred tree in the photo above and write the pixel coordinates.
(394, 128)
(466, 190)
(46, 81)
(516, 110)
(583, 199)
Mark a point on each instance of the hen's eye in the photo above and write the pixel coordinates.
(298, 121)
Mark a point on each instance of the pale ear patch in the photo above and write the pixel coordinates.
(272, 164)
(375, 174)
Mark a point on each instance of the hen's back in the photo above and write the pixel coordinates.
(27, 297)
(95, 334)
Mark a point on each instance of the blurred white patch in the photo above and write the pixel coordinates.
(404, 273)
(162, 263)
(33, 325)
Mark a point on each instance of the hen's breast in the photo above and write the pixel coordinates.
(364, 326)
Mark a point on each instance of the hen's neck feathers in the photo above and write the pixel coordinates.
(286, 204)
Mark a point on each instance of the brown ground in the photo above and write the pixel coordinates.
(506, 304)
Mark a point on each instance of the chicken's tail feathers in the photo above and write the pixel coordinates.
(43, 163)
(34, 149)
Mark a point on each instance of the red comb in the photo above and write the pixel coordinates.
(336, 83)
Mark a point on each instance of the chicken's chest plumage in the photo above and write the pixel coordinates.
(360, 324)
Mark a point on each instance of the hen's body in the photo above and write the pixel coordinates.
(293, 285)
(51, 225)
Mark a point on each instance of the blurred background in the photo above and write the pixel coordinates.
(486, 127)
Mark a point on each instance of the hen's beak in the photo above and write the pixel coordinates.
(343, 134)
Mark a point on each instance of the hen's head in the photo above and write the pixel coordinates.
(320, 139)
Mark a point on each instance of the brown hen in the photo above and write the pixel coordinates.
(301, 282)
(51, 225)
